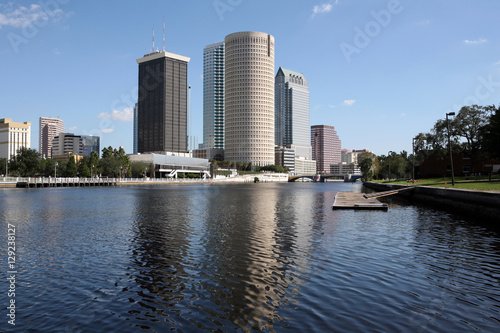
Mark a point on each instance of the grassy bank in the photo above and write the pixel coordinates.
(481, 184)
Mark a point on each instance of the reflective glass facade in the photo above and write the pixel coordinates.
(213, 96)
(292, 129)
(162, 104)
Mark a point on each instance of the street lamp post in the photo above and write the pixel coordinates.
(92, 171)
(449, 147)
(55, 170)
(7, 167)
(121, 167)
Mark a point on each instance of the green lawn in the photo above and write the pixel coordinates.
(460, 182)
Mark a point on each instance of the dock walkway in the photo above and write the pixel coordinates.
(349, 200)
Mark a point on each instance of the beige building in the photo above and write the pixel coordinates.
(65, 143)
(249, 98)
(13, 136)
(304, 166)
(49, 129)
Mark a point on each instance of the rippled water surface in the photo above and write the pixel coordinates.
(253, 257)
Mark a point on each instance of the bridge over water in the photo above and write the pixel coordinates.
(322, 177)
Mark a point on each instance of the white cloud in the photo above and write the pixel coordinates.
(107, 130)
(331, 106)
(323, 8)
(497, 63)
(73, 128)
(125, 115)
(477, 41)
(403, 114)
(24, 16)
(349, 102)
(424, 22)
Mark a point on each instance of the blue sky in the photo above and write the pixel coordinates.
(379, 71)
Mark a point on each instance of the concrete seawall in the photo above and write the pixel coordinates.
(481, 204)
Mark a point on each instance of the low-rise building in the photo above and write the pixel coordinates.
(13, 136)
(285, 157)
(170, 164)
(304, 166)
(344, 169)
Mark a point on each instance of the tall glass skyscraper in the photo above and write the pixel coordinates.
(213, 96)
(162, 103)
(292, 129)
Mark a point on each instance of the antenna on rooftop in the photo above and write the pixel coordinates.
(163, 33)
(153, 37)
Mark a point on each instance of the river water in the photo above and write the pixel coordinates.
(248, 257)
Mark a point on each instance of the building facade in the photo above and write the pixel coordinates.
(249, 98)
(213, 95)
(304, 166)
(66, 143)
(136, 127)
(13, 136)
(49, 128)
(292, 128)
(285, 157)
(162, 103)
(90, 143)
(325, 147)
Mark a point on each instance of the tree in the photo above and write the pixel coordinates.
(26, 162)
(466, 130)
(366, 168)
(490, 134)
(467, 125)
(71, 167)
(371, 168)
(3, 161)
(83, 169)
(138, 169)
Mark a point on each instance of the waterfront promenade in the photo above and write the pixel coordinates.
(40, 182)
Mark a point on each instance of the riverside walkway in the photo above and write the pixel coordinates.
(64, 182)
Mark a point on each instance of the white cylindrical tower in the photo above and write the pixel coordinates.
(249, 98)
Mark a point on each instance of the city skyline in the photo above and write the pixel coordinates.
(397, 64)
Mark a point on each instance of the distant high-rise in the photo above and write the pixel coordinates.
(292, 128)
(13, 136)
(325, 147)
(162, 106)
(213, 96)
(49, 128)
(90, 143)
(65, 143)
(249, 98)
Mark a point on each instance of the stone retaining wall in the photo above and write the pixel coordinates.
(482, 204)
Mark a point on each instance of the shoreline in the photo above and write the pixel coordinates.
(473, 203)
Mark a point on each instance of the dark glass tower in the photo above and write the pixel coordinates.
(162, 103)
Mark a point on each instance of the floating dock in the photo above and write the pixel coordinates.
(356, 201)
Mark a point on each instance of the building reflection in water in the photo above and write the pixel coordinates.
(220, 256)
